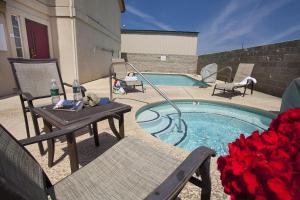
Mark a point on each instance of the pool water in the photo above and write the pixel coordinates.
(204, 123)
(171, 79)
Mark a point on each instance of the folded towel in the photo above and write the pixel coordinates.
(244, 82)
(103, 101)
(130, 78)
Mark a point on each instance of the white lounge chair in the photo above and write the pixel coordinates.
(243, 73)
(209, 73)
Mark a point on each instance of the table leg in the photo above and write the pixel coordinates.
(119, 134)
(50, 143)
(121, 126)
(95, 132)
(73, 154)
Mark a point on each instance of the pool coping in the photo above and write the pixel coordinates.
(233, 105)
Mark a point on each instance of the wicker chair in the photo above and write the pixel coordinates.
(131, 169)
(244, 70)
(33, 78)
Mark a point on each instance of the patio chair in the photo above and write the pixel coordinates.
(131, 169)
(244, 70)
(209, 73)
(126, 78)
(33, 78)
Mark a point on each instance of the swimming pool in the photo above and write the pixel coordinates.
(205, 123)
(171, 79)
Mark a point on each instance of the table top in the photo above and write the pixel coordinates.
(60, 118)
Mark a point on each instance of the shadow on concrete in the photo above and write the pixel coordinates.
(131, 99)
(87, 151)
(132, 90)
(230, 95)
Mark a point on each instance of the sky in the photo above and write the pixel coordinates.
(222, 24)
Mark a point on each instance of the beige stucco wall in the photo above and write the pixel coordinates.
(63, 34)
(82, 35)
(23, 9)
(97, 37)
(6, 79)
(159, 43)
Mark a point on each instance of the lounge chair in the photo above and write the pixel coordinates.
(33, 78)
(244, 70)
(126, 78)
(209, 73)
(131, 169)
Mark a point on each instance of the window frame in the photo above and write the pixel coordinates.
(18, 27)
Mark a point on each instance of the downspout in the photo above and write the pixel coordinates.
(75, 57)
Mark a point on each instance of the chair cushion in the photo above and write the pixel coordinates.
(228, 86)
(131, 169)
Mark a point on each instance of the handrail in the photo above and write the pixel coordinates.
(161, 93)
(222, 69)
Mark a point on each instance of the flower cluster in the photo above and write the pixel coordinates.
(267, 165)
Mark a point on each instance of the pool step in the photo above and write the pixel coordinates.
(171, 135)
(148, 116)
(157, 125)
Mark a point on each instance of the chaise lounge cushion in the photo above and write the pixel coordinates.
(130, 170)
(227, 86)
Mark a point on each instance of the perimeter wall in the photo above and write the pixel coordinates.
(276, 65)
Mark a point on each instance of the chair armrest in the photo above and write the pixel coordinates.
(249, 82)
(83, 89)
(67, 130)
(171, 187)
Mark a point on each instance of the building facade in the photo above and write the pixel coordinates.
(159, 42)
(161, 51)
(83, 35)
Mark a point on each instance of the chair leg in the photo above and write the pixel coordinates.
(26, 124)
(143, 88)
(50, 143)
(204, 171)
(245, 91)
(214, 91)
(252, 87)
(37, 132)
(25, 117)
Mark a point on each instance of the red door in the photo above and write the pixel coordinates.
(37, 35)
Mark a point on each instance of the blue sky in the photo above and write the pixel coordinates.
(223, 24)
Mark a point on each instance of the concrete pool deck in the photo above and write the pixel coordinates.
(12, 118)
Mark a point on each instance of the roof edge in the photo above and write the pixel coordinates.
(129, 31)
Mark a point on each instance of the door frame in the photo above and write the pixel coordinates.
(22, 15)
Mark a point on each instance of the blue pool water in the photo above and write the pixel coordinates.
(171, 79)
(204, 123)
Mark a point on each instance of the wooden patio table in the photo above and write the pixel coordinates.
(64, 119)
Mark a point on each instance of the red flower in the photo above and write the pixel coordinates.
(279, 188)
(267, 165)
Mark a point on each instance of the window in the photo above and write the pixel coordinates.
(17, 35)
